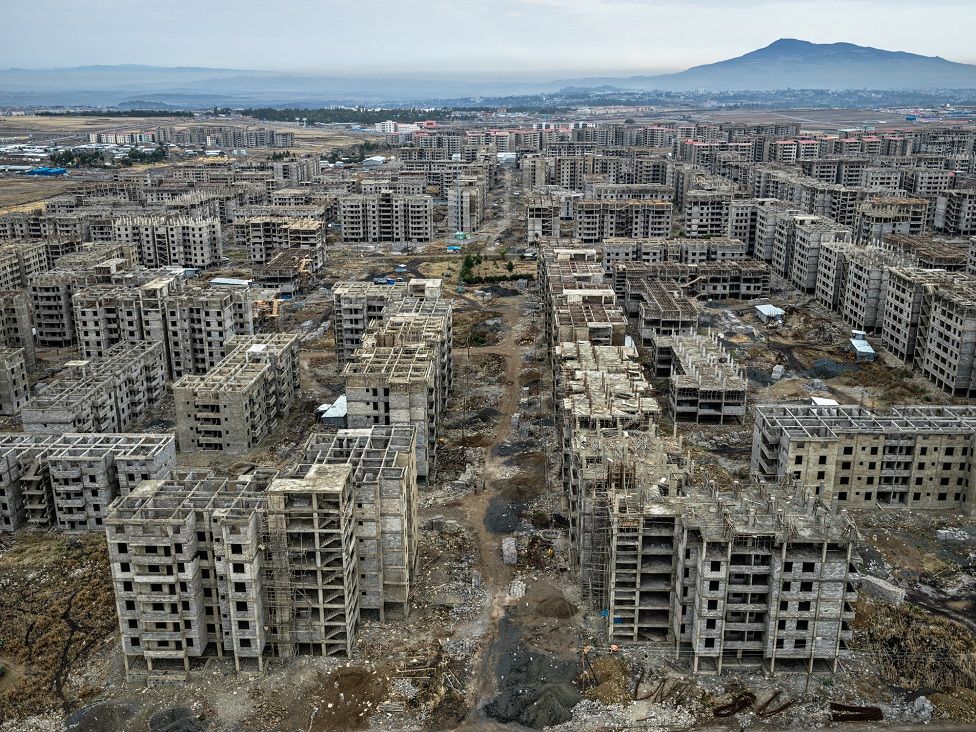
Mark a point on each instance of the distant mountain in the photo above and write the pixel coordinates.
(785, 64)
(793, 64)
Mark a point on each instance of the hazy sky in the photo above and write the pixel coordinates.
(528, 38)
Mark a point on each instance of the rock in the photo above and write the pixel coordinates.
(882, 590)
(924, 708)
(509, 551)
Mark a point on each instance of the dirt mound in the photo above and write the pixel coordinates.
(175, 719)
(345, 698)
(956, 703)
(556, 607)
(542, 603)
(101, 717)
(612, 679)
(537, 688)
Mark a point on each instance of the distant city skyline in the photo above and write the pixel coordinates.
(528, 39)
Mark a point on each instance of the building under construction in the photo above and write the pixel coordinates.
(241, 400)
(104, 394)
(356, 304)
(265, 566)
(714, 577)
(68, 480)
(911, 456)
(704, 384)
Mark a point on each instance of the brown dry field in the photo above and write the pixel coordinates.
(21, 192)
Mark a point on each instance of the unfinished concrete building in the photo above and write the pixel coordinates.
(705, 385)
(356, 304)
(632, 219)
(883, 215)
(383, 462)
(16, 329)
(241, 400)
(598, 389)
(104, 394)
(796, 249)
(194, 323)
(51, 292)
(930, 323)
(682, 250)
(21, 260)
(68, 480)
(541, 217)
(929, 252)
(744, 279)
(389, 385)
(853, 281)
(203, 566)
(14, 391)
(421, 321)
(913, 455)
(262, 236)
(662, 310)
(386, 218)
(162, 241)
(737, 578)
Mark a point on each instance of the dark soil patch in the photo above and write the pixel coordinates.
(537, 689)
(502, 516)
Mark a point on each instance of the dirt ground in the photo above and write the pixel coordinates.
(23, 193)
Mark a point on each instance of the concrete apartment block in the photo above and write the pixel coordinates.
(180, 241)
(706, 213)
(383, 460)
(909, 294)
(262, 236)
(16, 327)
(681, 250)
(597, 220)
(21, 260)
(238, 403)
(796, 247)
(386, 218)
(185, 559)
(421, 321)
(51, 292)
(356, 304)
(853, 280)
(68, 480)
(705, 384)
(199, 325)
(250, 568)
(663, 311)
(955, 212)
(466, 202)
(946, 350)
(314, 574)
(397, 385)
(101, 394)
(742, 279)
(730, 582)
(541, 217)
(880, 216)
(194, 323)
(14, 391)
(930, 252)
(913, 456)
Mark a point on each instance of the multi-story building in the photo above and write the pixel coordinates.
(386, 218)
(104, 394)
(914, 456)
(239, 401)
